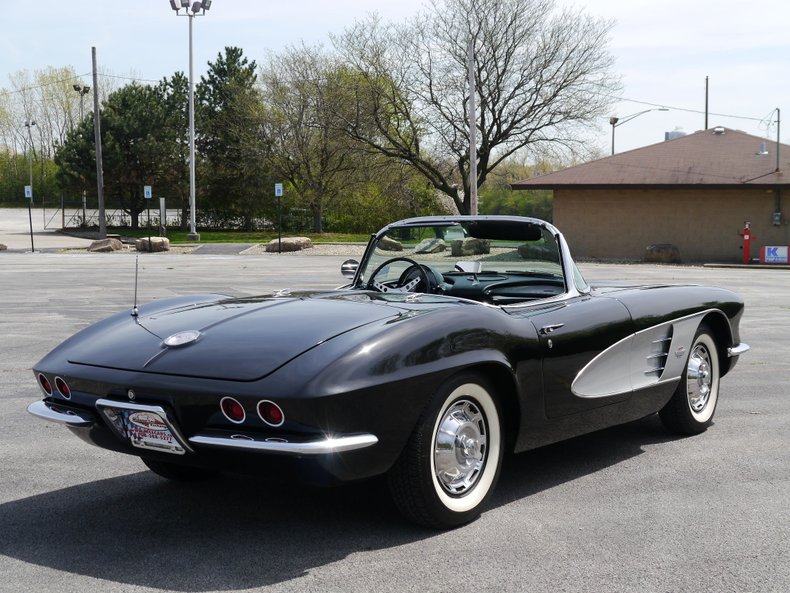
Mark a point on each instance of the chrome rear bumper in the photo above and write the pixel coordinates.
(323, 446)
(61, 415)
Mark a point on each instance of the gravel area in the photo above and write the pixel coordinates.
(341, 249)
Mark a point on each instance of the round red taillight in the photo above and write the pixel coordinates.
(270, 413)
(232, 410)
(45, 384)
(63, 388)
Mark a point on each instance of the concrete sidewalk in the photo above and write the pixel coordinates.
(15, 232)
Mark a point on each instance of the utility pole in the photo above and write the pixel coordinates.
(778, 144)
(706, 102)
(470, 62)
(97, 139)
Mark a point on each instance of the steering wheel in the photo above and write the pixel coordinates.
(409, 280)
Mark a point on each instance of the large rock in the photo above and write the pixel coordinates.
(289, 244)
(388, 244)
(470, 246)
(3, 247)
(430, 246)
(105, 245)
(662, 253)
(152, 244)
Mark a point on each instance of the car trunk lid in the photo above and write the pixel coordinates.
(239, 339)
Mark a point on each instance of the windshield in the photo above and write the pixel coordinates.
(487, 251)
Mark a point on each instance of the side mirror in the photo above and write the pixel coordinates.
(349, 268)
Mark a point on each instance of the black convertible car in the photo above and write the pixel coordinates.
(458, 338)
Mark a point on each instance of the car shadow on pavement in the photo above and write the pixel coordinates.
(540, 469)
(243, 533)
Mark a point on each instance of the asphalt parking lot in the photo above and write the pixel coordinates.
(629, 509)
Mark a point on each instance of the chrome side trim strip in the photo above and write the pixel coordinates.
(738, 350)
(60, 414)
(620, 368)
(324, 446)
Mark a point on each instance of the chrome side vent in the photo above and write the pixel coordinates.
(656, 360)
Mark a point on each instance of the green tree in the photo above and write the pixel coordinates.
(76, 160)
(309, 95)
(496, 196)
(173, 171)
(304, 91)
(383, 190)
(137, 147)
(230, 138)
(132, 145)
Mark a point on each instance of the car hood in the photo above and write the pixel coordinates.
(239, 339)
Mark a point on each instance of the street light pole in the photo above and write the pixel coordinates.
(29, 125)
(470, 64)
(616, 122)
(198, 8)
(82, 90)
(613, 122)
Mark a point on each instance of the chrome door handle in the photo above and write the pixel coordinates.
(547, 329)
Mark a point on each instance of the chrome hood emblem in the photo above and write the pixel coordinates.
(182, 338)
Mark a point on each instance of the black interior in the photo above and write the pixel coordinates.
(501, 288)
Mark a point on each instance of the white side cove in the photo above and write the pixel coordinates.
(649, 357)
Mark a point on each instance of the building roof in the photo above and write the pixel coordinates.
(716, 157)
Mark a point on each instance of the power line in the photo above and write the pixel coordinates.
(77, 77)
(132, 78)
(761, 120)
(46, 84)
(685, 109)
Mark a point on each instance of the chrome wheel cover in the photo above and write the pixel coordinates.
(699, 378)
(460, 447)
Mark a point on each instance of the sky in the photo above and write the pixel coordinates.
(664, 50)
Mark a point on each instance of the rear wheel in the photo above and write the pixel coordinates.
(690, 411)
(451, 464)
(179, 473)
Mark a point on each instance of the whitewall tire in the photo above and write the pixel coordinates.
(451, 464)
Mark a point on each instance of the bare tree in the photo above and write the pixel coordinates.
(541, 77)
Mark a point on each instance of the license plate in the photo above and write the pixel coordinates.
(148, 430)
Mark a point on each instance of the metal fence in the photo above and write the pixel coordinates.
(66, 218)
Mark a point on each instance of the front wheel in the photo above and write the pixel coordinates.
(690, 411)
(450, 466)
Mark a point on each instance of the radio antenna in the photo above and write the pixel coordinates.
(136, 266)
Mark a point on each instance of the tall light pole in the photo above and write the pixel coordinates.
(97, 144)
(470, 65)
(29, 125)
(82, 90)
(616, 122)
(198, 8)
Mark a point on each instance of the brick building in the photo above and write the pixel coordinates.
(694, 192)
